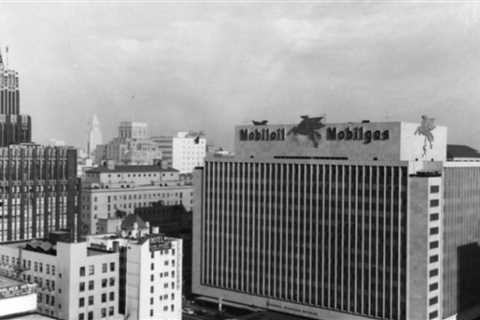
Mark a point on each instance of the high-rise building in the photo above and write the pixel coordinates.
(108, 189)
(38, 191)
(189, 150)
(95, 137)
(133, 130)
(14, 127)
(342, 221)
(150, 270)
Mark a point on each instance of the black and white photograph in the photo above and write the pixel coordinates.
(239, 160)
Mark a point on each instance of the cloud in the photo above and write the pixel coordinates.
(212, 66)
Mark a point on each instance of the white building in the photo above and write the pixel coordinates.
(108, 189)
(189, 150)
(75, 282)
(95, 137)
(152, 264)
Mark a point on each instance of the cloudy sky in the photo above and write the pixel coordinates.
(210, 66)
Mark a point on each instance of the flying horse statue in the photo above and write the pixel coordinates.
(425, 128)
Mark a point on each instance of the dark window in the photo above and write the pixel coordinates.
(112, 296)
(433, 244)
(104, 297)
(104, 282)
(81, 316)
(82, 271)
(434, 203)
(433, 286)
(434, 258)
(433, 315)
(90, 300)
(434, 189)
(81, 302)
(434, 217)
(434, 230)
(90, 315)
(91, 285)
(112, 266)
(82, 286)
(433, 273)
(433, 301)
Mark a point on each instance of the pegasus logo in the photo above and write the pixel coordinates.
(425, 128)
(308, 127)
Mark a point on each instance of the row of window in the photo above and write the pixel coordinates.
(91, 284)
(103, 314)
(91, 269)
(91, 299)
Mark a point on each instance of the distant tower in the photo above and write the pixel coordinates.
(94, 136)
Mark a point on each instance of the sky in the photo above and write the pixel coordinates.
(211, 66)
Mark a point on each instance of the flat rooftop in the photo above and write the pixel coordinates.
(130, 168)
(8, 282)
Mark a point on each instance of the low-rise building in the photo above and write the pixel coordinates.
(16, 297)
(150, 270)
(107, 189)
(75, 282)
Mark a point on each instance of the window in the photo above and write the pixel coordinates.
(173, 273)
(151, 312)
(151, 300)
(104, 267)
(151, 289)
(111, 311)
(104, 283)
(152, 277)
(434, 189)
(152, 266)
(112, 266)
(433, 286)
(82, 286)
(434, 230)
(434, 244)
(91, 269)
(104, 297)
(434, 258)
(112, 281)
(433, 301)
(433, 273)
(82, 271)
(90, 315)
(104, 312)
(433, 315)
(90, 300)
(434, 217)
(91, 285)
(434, 203)
(172, 307)
(173, 296)
(81, 302)
(81, 316)
(112, 296)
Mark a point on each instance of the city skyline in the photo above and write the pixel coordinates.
(241, 63)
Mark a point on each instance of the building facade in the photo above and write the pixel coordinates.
(108, 189)
(150, 272)
(189, 151)
(165, 145)
(38, 191)
(75, 282)
(342, 221)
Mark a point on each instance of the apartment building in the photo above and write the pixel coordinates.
(75, 282)
(188, 151)
(150, 271)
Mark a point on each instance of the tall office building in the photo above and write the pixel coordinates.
(38, 186)
(14, 127)
(340, 221)
(95, 136)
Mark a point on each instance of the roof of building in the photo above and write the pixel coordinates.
(131, 168)
(8, 282)
(127, 223)
(28, 316)
(461, 151)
